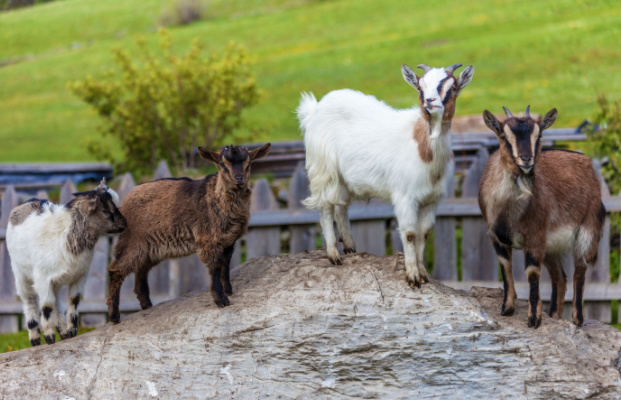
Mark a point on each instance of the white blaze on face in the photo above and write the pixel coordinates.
(435, 79)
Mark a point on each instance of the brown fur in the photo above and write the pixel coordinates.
(176, 217)
(421, 135)
(565, 194)
(21, 212)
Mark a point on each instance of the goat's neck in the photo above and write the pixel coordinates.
(238, 201)
(439, 126)
(79, 237)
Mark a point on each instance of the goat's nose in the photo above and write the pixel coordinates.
(430, 100)
(525, 158)
(239, 178)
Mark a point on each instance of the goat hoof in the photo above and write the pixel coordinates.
(115, 319)
(64, 336)
(414, 284)
(534, 322)
(578, 322)
(506, 312)
(35, 342)
(336, 261)
(228, 291)
(349, 250)
(147, 305)
(50, 339)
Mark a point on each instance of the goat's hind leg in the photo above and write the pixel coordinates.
(327, 226)
(31, 307)
(559, 285)
(342, 224)
(141, 286)
(49, 314)
(75, 290)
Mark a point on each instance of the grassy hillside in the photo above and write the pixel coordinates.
(548, 54)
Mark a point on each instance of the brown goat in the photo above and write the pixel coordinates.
(546, 202)
(171, 218)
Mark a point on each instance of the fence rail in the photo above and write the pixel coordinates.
(460, 261)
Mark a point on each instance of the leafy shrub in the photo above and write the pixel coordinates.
(605, 140)
(164, 109)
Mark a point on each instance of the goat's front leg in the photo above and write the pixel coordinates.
(213, 258)
(225, 276)
(407, 218)
(503, 252)
(579, 281)
(27, 293)
(533, 271)
(327, 226)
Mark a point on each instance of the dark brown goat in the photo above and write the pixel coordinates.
(546, 202)
(171, 218)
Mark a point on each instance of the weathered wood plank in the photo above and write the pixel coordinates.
(8, 323)
(95, 289)
(302, 236)
(262, 241)
(159, 277)
(370, 237)
(444, 249)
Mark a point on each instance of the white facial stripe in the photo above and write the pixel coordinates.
(430, 81)
(446, 86)
(511, 139)
(533, 139)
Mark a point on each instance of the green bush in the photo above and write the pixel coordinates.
(163, 109)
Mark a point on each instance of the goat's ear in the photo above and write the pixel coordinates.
(465, 77)
(491, 122)
(260, 152)
(209, 155)
(548, 119)
(410, 77)
(90, 206)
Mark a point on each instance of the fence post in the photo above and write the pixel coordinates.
(479, 261)
(445, 243)
(600, 310)
(159, 277)
(302, 236)
(8, 323)
(262, 241)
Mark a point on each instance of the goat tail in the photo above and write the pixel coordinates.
(306, 109)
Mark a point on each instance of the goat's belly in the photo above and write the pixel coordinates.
(560, 240)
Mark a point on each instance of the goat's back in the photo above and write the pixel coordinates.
(362, 141)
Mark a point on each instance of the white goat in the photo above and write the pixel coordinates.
(357, 147)
(52, 246)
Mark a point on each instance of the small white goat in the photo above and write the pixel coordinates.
(52, 246)
(358, 147)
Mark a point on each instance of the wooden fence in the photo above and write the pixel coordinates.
(273, 229)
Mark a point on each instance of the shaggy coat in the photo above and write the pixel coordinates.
(176, 217)
(357, 147)
(52, 246)
(546, 202)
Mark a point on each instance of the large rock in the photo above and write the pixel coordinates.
(299, 327)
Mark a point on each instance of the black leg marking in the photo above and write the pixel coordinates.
(501, 230)
(501, 250)
(76, 300)
(553, 302)
(32, 324)
(533, 281)
(35, 342)
(217, 290)
(50, 339)
(578, 294)
(74, 320)
(505, 312)
(47, 311)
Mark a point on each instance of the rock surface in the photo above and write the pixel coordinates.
(299, 327)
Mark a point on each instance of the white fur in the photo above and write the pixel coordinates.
(358, 147)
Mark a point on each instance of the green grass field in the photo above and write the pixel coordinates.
(19, 340)
(559, 53)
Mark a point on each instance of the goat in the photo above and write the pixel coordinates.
(52, 246)
(176, 217)
(546, 202)
(358, 147)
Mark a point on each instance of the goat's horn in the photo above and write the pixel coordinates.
(453, 68)
(507, 112)
(527, 112)
(102, 184)
(424, 67)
